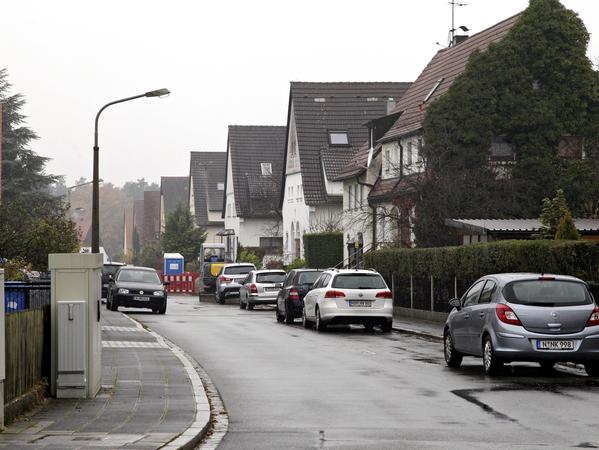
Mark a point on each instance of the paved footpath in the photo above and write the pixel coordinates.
(151, 397)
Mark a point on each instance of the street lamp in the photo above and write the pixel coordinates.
(96, 181)
(69, 188)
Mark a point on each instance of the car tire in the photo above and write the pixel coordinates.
(241, 304)
(546, 366)
(592, 368)
(108, 303)
(114, 305)
(305, 322)
(320, 325)
(453, 358)
(250, 305)
(491, 363)
(387, 326)
(220, 298)
(278, 315)
(289, 319)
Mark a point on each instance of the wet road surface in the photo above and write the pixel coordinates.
(286, 387)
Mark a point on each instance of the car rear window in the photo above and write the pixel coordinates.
(308, 277)
(238, 270)
(270, 277)
(547, 293)
(359, 281)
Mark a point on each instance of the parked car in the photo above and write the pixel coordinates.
(260, 287)
(290, 301)
(109, 269)
(349, 296)
(227, 281)
(138, 287)
(524, 317)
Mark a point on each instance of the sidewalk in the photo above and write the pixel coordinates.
(419, 327)
(149, 397)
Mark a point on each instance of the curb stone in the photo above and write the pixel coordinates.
(192, 436)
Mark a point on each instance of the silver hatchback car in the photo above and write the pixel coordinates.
(524, 317)
(261, 287)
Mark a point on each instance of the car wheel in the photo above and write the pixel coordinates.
(162, 309)
(108, 302)
(453, 358)
(288, 316)
(369, 326)
(320, 325)
(547, 366)
(305, 322)
(241, 304)
(250, 305)
(278, 315)
(592, 368)
(491, 363)
(114, 305)
(220, 298)
(387, 326)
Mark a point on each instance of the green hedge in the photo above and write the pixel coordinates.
(323, 250)
(578, 258)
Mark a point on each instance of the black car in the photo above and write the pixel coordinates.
(290, 301)
(109, 269)
(139, 287)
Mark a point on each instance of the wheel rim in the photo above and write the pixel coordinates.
(447, 347)
(488, 355)
(318, 319)
(303, 317)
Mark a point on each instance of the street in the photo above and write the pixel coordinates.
(285, 387)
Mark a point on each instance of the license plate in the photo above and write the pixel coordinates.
(271, 289)
(360, 303)
(141, 299)
(555, 345)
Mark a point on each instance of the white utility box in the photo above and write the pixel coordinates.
(76, 355)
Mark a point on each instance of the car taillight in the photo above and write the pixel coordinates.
(253, 289)
(384, 294)
(594, 319)
(507, 315)
(334, 294)
(224, 279)
(293, 294)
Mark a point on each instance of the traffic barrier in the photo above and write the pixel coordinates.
(181, 284)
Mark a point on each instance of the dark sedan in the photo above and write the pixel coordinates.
(290, 301)
(138, 287)
(109, 269)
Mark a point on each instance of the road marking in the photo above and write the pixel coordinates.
(115, 328)
(132, 344)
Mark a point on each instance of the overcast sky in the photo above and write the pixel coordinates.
(225, 62)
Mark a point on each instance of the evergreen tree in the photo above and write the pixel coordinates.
(181, 236)
(552, 212)
(566, 228)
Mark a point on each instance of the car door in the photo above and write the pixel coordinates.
(282, 295)
(479, 315)
(460, 327)
(243, 290)
(310, 298)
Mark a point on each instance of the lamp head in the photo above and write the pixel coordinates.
(158, 93)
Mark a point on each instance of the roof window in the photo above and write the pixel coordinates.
(320, 99)
(220, 186)
(372, 99)
(338, 137)
(435, 87)
(266, 169)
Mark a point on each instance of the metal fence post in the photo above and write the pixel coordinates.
(411, 292)
(455, 287)
(432, 294)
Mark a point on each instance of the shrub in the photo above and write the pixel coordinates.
(249, 257)
(468, 262)
(566, 228)
(298, 263)
(323, 249)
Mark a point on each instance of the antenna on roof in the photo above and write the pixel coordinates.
(452, 36)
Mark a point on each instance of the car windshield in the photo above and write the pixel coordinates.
(308, 277)
(139, 276)
(277, 277)
(547, 293)
(238, 270)
(359, 281)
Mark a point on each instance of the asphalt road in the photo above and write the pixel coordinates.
(285, 387)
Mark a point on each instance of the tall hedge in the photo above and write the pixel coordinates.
(577, 258)
(323, 249)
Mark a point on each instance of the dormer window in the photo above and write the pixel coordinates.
(220, 186)
(266, 169)
(338, 137)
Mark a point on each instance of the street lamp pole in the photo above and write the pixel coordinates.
(96, 176)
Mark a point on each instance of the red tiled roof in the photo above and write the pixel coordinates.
(389, 188)
(447, 64)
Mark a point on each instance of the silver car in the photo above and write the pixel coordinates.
(227, 280)
(524, 317)
(261, 287)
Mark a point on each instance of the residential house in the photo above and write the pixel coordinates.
(151, 222)
(206, 192)
(174, 191)
(128, 220)
(402, 162)
(253, 188)
(138, 220)
(325, 128)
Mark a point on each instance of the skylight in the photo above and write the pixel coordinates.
(266, 169)
(430, 94)
(338, 137)
(220, 186)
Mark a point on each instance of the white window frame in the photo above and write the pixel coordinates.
(266, 169)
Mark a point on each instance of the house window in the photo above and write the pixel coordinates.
(266, 169)
(350, 196)
(409, 154)
(220, 186)
(387, 161)
(361, 195)
(571, 147)
(338, 137)
(356, 188)
(271, 242)
(501, 150)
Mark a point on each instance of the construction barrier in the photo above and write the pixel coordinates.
(181, 284)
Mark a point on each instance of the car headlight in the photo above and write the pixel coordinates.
(123, 291)
(158, 293)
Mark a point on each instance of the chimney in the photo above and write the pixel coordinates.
(459, 38)
(390, 104)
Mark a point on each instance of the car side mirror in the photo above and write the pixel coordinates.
(456, 303)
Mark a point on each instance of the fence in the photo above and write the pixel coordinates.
(27, 350)
(181, 284)
(19, 296)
